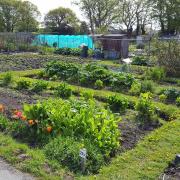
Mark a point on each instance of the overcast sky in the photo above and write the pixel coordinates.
(45, 5)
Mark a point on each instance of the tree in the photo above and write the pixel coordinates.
(9, 14)
(16, 15)
(61, 20)
(29, 13)
(84, 29)
(127, 14)
(167, 13)
(100, 14)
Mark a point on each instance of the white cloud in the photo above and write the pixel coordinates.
(45, 5)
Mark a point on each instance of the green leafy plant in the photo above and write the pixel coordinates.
(73, 118)
(118, 103)
(156, 73)
(7, 79)
(63, 91)
(98, 84)
(135, 88)
(22, 84)
(146, 111)
(140, 60)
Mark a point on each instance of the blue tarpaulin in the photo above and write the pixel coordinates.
(64, 41)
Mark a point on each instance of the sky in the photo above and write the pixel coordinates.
(45, 5)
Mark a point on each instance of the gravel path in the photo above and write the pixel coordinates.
(9, 173)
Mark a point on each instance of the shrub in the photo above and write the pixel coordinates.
(7, 79)
(98, 84)
(135, 88)
(147, 86)
(140, 60)
(39, 86)
(157, 74)
(66, 151)
(178, 101)
(63, 90)
(22, 84)
(146, 111)
(118, 103)
(4, 123)
(168, 56)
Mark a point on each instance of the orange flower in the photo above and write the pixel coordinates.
(23, 118)
(2, 108)
(49, 129)
(31, 122)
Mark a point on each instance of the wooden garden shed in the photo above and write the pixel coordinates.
(114, 46)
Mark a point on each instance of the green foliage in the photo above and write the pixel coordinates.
(68, 51)
(146, 110)
(63, 91)
(135, 88)
(62, 70)
(74, 118)
(66, 151)
(147, 86)
(88, 75)
(156, 73)
(7, 79)
(22, 84)
(98, 84)
(178, 101)
(168, 56)
(140, 60)
(122, 81)
(39, 86)
(118, 103)
(171, 94)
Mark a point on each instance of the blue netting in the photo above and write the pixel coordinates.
(62, 41)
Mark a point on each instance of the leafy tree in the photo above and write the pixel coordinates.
(61, 20)
(29, 12)
(100, 14)
(16, 15)
(9, 14)
(167, 13)
(84, 29)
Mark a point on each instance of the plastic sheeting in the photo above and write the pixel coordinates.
(64, 41)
